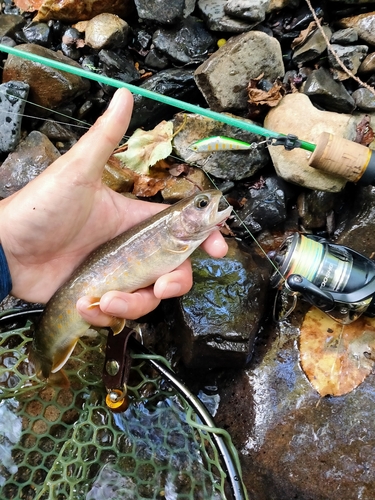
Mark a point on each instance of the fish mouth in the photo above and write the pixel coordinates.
(223, 215)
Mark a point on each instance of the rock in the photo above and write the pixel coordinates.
(368, 65)
(49, 88)
(295, 114)
(292, 443)
(39, 33)
(213, 13)
(13, 96)
(327, 93)
(33, 155)
(194, 180)
(312, 47)
(345, 36)
(315, 206)
(72, 11)
(364, 99)
(242, 58)
(10, 23)
(253, 11)
(106, 30)
(364, 25)
(351, 56)
(118, 66)
(219, 318)
(157, 11)
(188, 43)
(177, 83)
(230, 165)
(156, 60)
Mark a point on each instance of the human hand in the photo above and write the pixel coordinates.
(51, 225)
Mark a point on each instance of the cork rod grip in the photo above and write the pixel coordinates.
(339, 156)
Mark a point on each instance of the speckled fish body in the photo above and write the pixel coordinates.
(132, 260)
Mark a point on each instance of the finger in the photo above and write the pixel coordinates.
(215, 245)
(94, 148)
(176, 283)
(119, 304)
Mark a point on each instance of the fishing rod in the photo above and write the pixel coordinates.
(331, 154)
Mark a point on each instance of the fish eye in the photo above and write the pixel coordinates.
(202, 201)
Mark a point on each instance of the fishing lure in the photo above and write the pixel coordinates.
(220, 143)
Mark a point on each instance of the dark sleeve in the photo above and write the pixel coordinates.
(5, 278)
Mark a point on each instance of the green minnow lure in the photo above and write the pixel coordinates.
(131, 260)
(220, 143)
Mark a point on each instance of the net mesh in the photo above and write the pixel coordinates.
(66, 444)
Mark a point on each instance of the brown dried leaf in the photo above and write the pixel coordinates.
(269, 98)
(146, 186)
(364, 133)
(336, 358)
(303, 35)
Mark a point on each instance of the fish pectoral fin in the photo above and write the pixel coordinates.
(62, 357)
(59, 379)
(180, 249)
(117, 325)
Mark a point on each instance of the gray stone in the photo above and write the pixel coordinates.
(364, 24)
(188, 43)
(10, 23)
(364, 99)
(13, 97)
(231, 165)
(218, 319)
(161, 13)
(39, 33)
(324, 91)
(344, 36)
(33, 155)
(368, 65)
(312, 47)
(213, 13)
(351, 56)
(156, 59)
(242, 58)
(106, 30)
(253, 11)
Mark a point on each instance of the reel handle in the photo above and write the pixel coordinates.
(310, 292)
(344, 158)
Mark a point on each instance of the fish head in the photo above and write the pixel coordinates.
(198, 216)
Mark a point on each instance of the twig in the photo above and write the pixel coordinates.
(330, 48)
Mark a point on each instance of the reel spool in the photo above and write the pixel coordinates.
(334, 278)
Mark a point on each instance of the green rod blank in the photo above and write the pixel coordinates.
(171, 101)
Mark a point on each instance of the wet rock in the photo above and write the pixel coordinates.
(314, 207)
(72, 42)
(61, 136)
(364, 25)
(264, 206)
(344, 36)
(10, 23)
(121, 67)
(276, 5)
(219, 318)
(13, 97)
(364, 100)
(177, 83)
(295, 114)
(368, 65)
(242, 58)
(156, 59)
(194, 180)
(72, 11)
(33, 155)
(252, 11)
(189, 43)
(49, 88)
(328, 93)
(351, 56)
(312, 47)
(117, 178)
(213, 13)
(106, 30)
(279, 423)
(39, 33)
(157, 11)
(230, 165)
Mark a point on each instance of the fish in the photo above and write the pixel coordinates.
(128, 262)
(219, 143)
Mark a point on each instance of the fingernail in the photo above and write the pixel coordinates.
(115, 306)
(114, 100)
(173, 289)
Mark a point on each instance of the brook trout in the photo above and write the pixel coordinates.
(131, 260)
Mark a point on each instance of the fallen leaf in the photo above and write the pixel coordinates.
(336, 358)
(364, 132)
(303, 35)
(269, 98)
(146, 186)
(145, 148)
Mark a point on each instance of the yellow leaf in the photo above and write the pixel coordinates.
(336, 358)
(145, 148)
